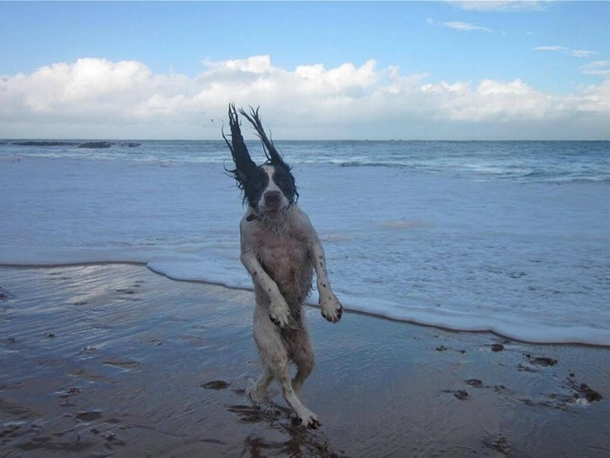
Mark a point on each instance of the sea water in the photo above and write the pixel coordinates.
(509, 237)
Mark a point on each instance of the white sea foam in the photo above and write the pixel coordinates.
(530, 262)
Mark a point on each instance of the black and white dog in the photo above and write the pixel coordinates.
(280, 249)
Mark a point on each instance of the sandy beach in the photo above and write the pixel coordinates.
(114, 360)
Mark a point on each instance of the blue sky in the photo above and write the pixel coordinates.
(425, 70)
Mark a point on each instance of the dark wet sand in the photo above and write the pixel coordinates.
(114, 360)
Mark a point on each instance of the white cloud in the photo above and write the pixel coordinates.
(580, 53)
(595, 99)
(98, 98)
(598, 67)
(551, 48)
(465, 27)
(500, 5)
(93, 88)
(255, 64)
(583, 53)
(490, 101)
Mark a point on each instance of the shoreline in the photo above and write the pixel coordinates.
(308, 304)
(117, 360)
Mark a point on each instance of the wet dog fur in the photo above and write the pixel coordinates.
(281, 250)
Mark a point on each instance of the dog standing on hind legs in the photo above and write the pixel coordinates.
(280, 249)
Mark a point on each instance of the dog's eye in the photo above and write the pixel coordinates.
(257, 182)
(283, 181)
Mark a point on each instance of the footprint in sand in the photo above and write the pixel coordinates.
(88, 416)
(215, 385)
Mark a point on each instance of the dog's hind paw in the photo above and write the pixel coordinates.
(308, 420)
(256, 394)
(332, 310)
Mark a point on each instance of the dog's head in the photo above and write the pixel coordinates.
(268, 188)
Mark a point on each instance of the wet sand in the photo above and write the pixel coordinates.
(114, 360)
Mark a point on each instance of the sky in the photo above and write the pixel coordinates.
(429, 70)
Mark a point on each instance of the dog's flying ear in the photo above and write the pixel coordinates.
(244, 165)
(270, 151)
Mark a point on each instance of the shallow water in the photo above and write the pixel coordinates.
(512, 237)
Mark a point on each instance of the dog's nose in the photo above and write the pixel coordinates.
(272, 197)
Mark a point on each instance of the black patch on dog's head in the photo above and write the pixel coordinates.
(254, 185)
(250, 178)
(284, 180)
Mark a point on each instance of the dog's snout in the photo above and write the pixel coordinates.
(273, 197)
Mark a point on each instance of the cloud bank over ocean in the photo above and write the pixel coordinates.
(100, 98)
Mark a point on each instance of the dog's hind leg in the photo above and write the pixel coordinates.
(306, 416)
(258, 391)
(274, 358)
(302, 355)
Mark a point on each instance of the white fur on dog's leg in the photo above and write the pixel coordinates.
(303, 414)
(274, 357)
(304, 360)
(332, 310)
(258, 391)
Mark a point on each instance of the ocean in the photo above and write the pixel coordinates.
(508, 237)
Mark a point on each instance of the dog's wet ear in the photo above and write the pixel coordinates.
(270, 150)
(244, 165)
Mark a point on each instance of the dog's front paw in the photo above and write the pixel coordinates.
(332, 310)
(279, 315)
